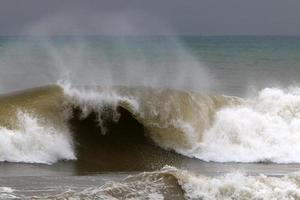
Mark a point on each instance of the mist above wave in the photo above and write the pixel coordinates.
(155, 61)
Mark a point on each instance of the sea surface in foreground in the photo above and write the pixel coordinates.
(60, 180)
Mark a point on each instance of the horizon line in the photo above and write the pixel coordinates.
(153, 35)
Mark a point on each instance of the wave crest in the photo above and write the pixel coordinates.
(208, 127)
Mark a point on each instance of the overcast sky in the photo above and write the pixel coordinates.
(139, 17)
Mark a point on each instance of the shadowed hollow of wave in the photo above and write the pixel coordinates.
(125, 146)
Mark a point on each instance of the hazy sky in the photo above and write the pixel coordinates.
(129, 17)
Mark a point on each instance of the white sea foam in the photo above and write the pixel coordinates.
(239, 186)
(266, 129)
(34, 142)
(7, 193)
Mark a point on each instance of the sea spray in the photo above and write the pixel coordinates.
(106, 61)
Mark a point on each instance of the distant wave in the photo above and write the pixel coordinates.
(209, 127)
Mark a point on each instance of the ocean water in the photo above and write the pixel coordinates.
(150, 117)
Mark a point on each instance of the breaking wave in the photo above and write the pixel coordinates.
(209, 127)
(266, 129)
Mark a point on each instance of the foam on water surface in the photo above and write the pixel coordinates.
(266, 129)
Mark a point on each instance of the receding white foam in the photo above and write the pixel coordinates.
(239, 186)
(7, 193)
(34, 142)
(266, 129)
